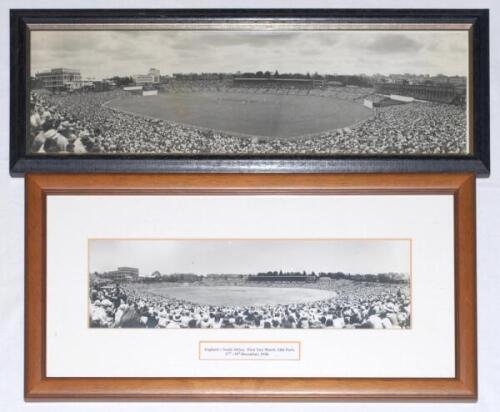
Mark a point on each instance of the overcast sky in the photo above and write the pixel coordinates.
(101, 54)
(250, 256)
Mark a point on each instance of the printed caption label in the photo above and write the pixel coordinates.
(252, 350)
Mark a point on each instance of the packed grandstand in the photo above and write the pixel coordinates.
(355, 304)
(82, 122)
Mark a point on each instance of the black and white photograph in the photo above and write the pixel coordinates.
(250, 283)
(375, 92)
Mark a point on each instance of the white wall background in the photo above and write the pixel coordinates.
(12, 233)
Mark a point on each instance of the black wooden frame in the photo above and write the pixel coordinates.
(21, 162)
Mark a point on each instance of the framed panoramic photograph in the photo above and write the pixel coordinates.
(250, 286)
(249, 91)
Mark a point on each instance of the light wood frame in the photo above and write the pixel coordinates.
(40, 387)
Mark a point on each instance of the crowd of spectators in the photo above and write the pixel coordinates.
(56, 127)
(411, 128)
(356, 305)
(83, 123)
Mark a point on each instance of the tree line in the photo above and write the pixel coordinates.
(390, 277)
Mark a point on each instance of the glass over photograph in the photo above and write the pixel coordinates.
(249, 92)
(250, 284)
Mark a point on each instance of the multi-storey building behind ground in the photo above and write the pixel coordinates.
(152, 77)
(59, 79)
(122, 273)
(442, 93)
(156, 74)
(143, 79)
(265, 82)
